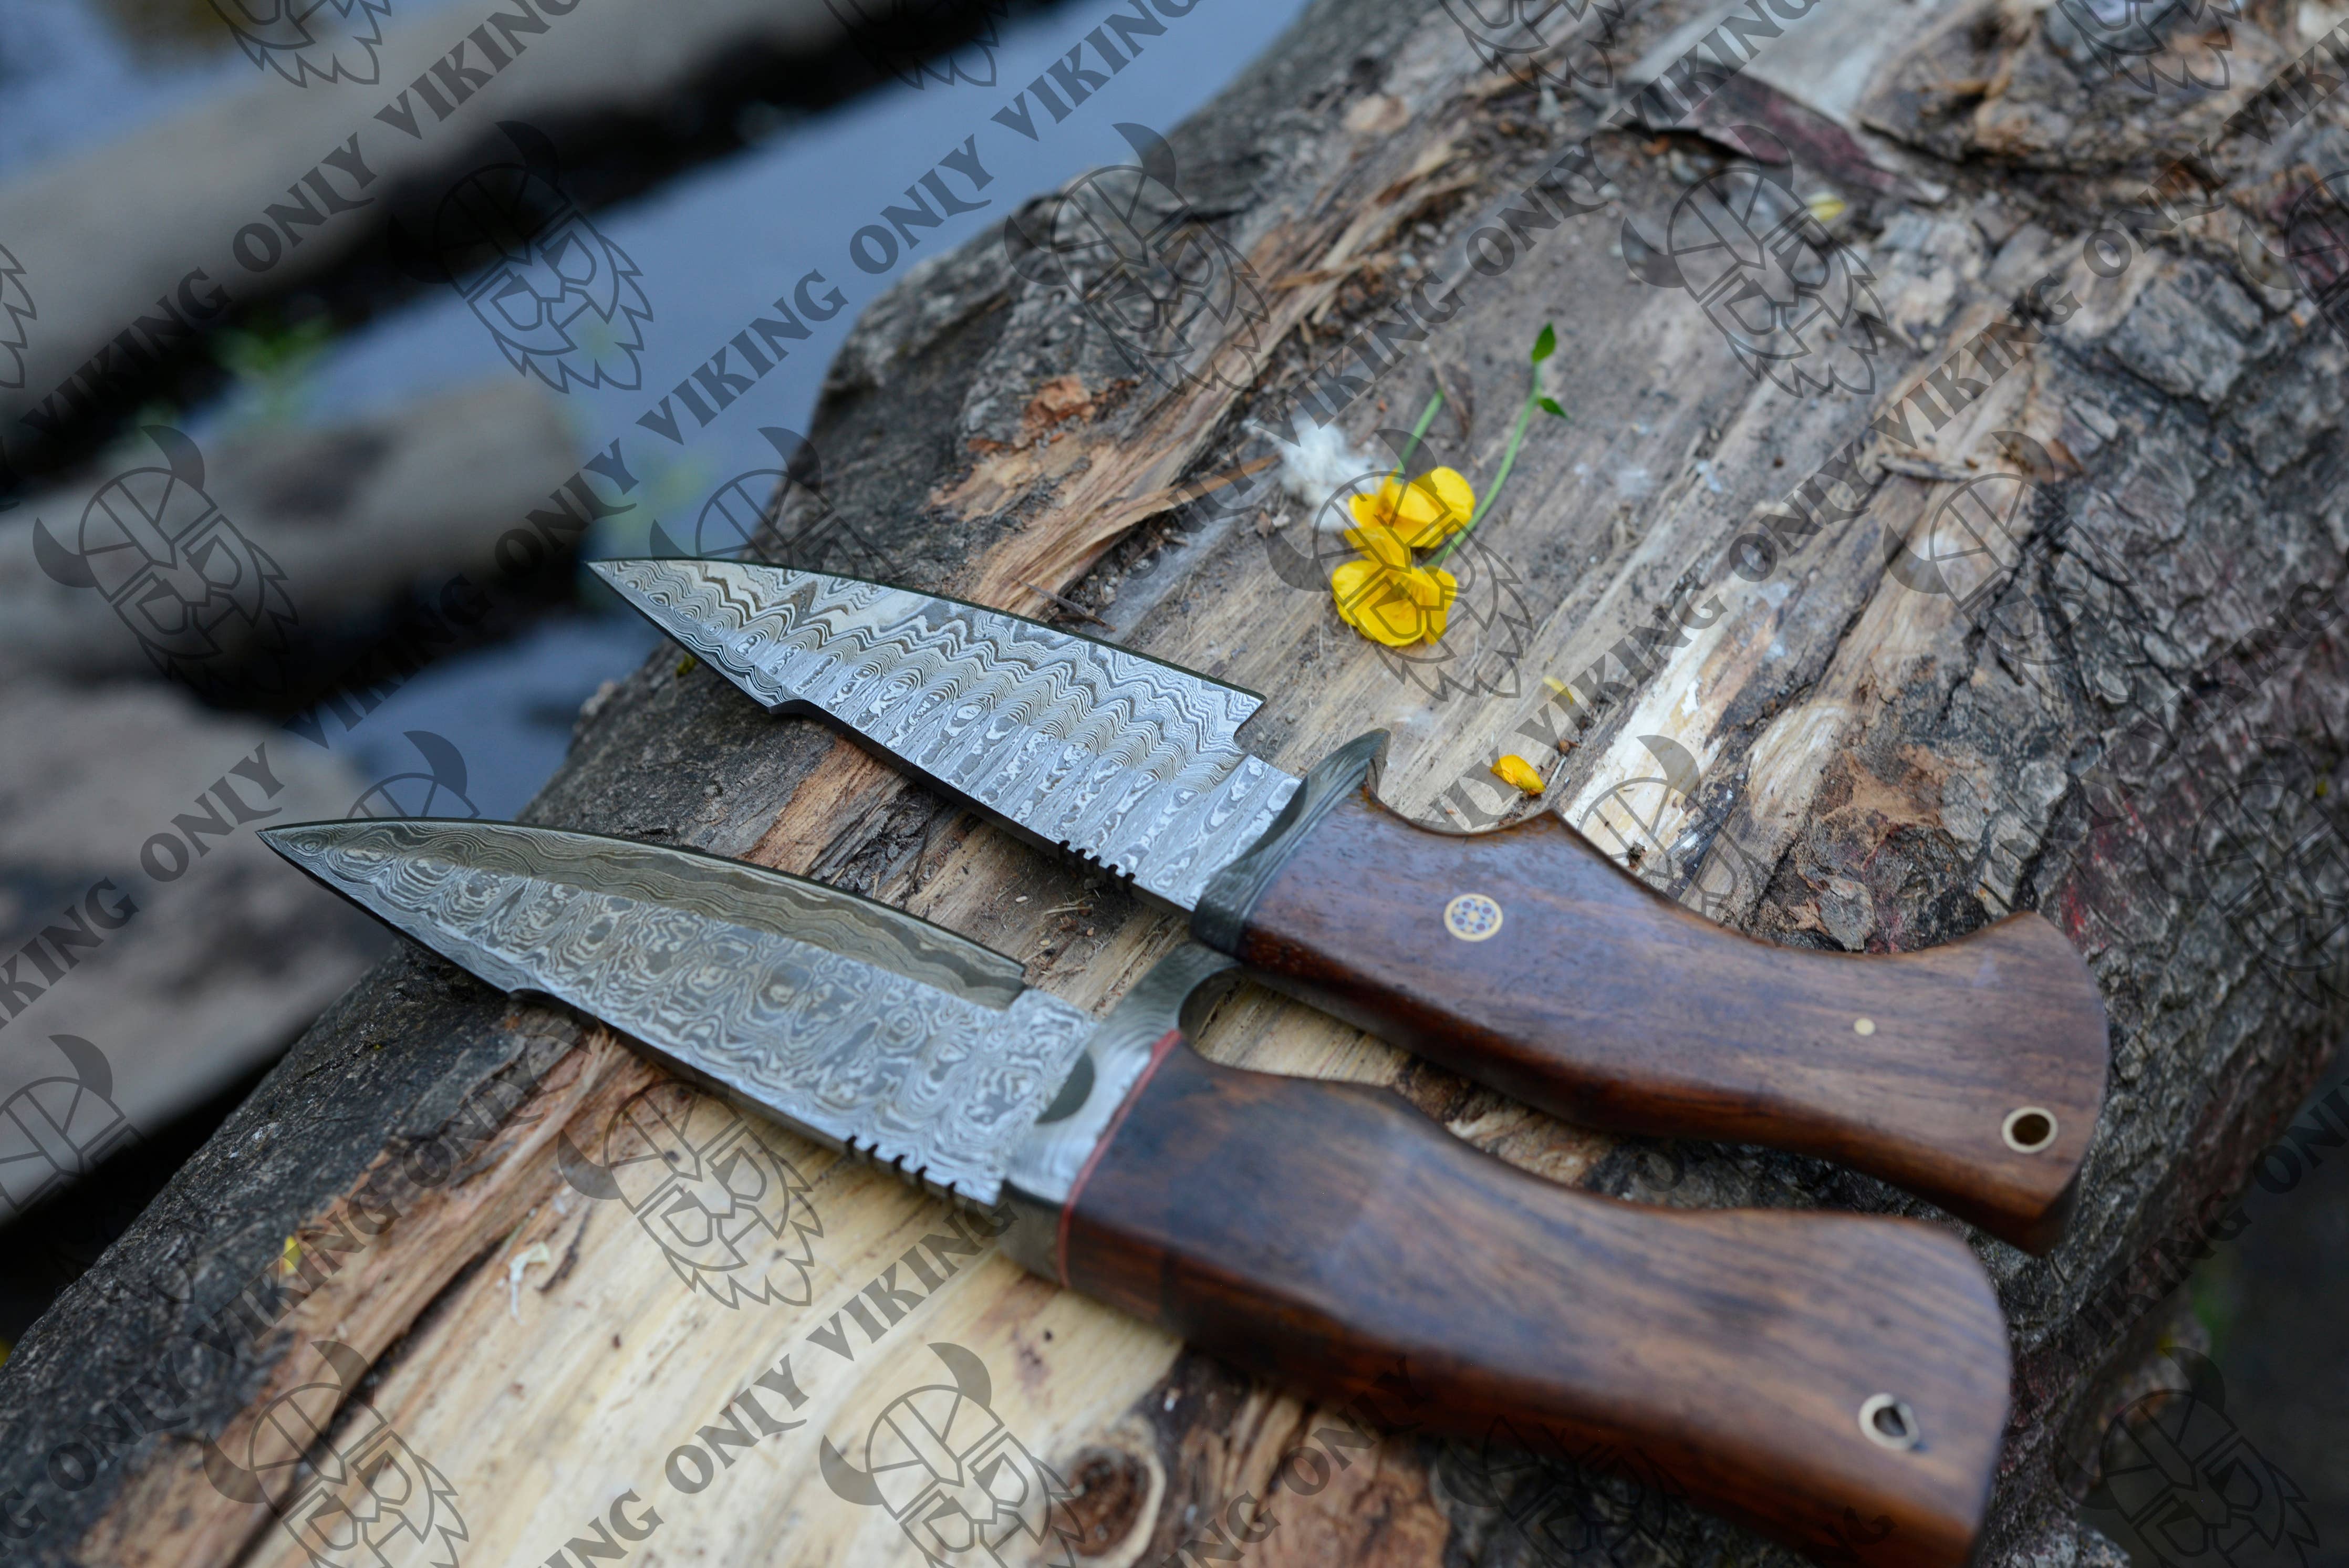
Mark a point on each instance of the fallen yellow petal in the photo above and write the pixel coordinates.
(1518, 774)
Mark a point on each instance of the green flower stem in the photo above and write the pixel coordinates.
(1545, 345)
(1508, 460)
(1426, 417)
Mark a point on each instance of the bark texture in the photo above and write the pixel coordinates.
(2062, 632)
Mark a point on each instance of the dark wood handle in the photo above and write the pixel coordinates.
(1329, 1234)
(1970, 1074)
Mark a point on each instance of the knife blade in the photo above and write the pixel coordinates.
(1801, 1372)
(1971, 1074)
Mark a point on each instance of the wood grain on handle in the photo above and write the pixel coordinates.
(1970, 1074)
(1326, 1234)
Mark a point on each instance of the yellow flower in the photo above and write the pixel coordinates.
(1388, 599)
(1519, 773)
(1422, 515)
(1386, 596)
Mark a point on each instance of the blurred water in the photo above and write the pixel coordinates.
(716, 244)
(505, 712)
(715, 247)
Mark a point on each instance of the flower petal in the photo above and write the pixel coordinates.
(1396, 606)
(1518, 774)
(1381, 545)
(1393, 620)
(1420, 585)
(1436, 506)
(1419, 506)
(1353, 585)
(1459, 498)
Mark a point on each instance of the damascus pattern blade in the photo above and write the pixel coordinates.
(1125, 762)
(859, 1025)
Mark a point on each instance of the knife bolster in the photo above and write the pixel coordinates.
(1231, 896)
(1051, 1162)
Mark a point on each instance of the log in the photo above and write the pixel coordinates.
(1851, 666)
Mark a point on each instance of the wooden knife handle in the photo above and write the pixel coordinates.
(1970, 1073)
(1329, 1235)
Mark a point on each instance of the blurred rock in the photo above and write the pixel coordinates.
(141, 914)
(219, 567)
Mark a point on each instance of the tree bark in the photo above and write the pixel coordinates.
(2055, 628)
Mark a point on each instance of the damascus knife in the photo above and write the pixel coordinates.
(1838, 1381)
(1970, 1074)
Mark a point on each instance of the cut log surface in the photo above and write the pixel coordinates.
(2055, 629)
